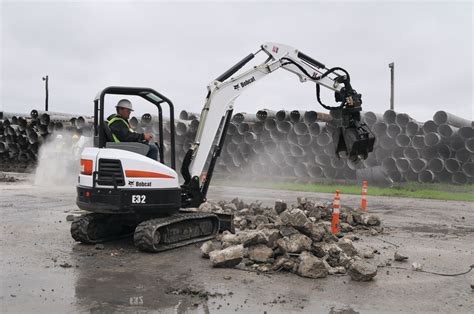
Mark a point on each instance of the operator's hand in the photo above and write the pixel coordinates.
(148, 136)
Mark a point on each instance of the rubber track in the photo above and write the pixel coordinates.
(79, 229)
(144, 233)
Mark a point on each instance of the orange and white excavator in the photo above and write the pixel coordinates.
(129, 193)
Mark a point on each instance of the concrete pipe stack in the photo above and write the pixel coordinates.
(286, 144)
(21, 135)
(299, 145)
(289, 145)
(438, 150)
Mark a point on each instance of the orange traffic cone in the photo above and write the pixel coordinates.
(335, 227)
(364, 197)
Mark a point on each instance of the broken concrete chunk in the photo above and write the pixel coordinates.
(295, 243)
(311, 267)
(252, 238)
(230, 238)
(206, 248)
(347, 246)
(271, 236)
(286, 231)
(294, 217)
(256, 207)
(345, 260)
(70, 217)
(284, 262)
(333, 250)
(416, 266)
(280, 206)
(205, 207)
(265, 226)
(301, 200)
(259, 220)
(315, 213)
(315, 231)
(351, 237)
(260, 253)
(367, 253)
(400, 257)
(356, 217)
(238, 203)
(335, 256)
(99, 246)
(245, 211)
(264, 268)
(362, 271)
(230, 207)
(238, 221)
(228, 257)
(370, 220)
(334, 270)
(350, 219)
(317, 249)
(345, 227)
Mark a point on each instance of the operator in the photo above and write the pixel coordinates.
(121, 131)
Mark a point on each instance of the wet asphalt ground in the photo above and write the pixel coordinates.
(44, 271)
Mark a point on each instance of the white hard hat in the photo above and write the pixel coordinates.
(125, 103)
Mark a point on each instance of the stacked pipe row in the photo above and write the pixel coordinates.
(287, 145)
(22, 135)
(300, 144)
(438, 150)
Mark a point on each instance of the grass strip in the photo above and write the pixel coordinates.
(435, 191)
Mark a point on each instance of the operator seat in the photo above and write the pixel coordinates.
(133, 147)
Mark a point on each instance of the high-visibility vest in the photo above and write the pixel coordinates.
(115, 138)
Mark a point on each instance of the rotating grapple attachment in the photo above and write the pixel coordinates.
(353, 136)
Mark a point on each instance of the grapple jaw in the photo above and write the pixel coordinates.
(353, 136)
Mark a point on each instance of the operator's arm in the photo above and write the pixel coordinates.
(122, 132)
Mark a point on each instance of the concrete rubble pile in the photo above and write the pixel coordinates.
(294, 238)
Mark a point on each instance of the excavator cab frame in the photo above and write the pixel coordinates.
(149, 94)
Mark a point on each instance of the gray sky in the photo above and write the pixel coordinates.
(178, 48)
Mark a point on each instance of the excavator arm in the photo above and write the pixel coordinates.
(351, 136)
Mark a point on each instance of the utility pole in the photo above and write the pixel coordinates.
(47, 93)
(392, 78)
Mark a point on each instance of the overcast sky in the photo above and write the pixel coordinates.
(178, 48)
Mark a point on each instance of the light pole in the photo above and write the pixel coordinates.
(47, 93)
(392, 78)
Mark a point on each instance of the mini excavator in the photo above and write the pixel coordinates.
(127, 193)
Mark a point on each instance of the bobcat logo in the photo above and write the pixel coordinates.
(130, 183)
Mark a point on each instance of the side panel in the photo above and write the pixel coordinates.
(89, 153)
(140, 171)
(147, 186)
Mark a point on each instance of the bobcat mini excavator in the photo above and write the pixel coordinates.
(127, 192)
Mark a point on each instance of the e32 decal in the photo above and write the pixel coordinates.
(138, 199)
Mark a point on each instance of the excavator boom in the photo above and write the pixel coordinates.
(352, 136)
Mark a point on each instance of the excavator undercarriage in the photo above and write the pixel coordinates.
(150, 235)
